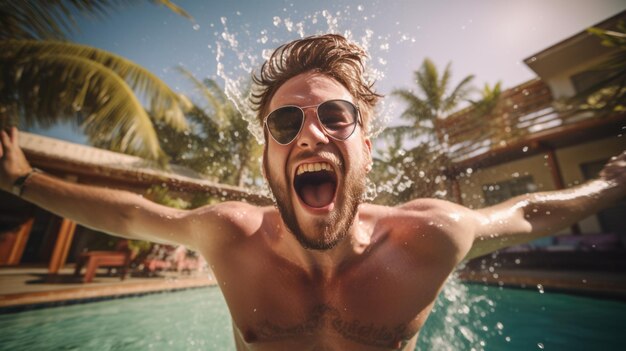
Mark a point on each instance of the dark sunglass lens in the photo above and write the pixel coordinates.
(338, 118)
(284, 123)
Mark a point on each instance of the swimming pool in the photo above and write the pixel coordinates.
(465, 317)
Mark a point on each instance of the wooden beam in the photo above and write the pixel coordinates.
(456, 191)
(62, 246)
(20, 242)
(557, 178)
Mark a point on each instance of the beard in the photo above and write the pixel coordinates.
(325, 233)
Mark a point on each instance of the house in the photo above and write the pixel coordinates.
(533, 141)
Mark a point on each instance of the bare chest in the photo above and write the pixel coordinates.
(377, 304)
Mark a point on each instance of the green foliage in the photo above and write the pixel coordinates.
(161, 195)
(218, 143)
(46, 81)
(609, 93)
(433, 98)
(54, 19)
(490, 96)
(413, 162)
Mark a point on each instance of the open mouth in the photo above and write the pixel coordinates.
(316, 184)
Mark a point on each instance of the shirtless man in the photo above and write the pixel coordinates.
(322, 271)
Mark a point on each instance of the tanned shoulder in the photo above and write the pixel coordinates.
(225, 223)
(449, 226)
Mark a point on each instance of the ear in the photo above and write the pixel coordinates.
(264, 161)
(368, 165)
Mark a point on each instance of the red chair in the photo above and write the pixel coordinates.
(93, 260)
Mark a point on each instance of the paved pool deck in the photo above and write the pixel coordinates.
(30, 288)
(594, 283)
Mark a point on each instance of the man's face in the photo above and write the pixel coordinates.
(317, 181)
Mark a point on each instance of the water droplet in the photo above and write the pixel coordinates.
(525, 148)
(540, 288)
(540, 345)
(196, 27)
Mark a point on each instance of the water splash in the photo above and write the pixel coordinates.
(453, 324)
(240, 49)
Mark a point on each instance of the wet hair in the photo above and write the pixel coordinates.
(329, 54)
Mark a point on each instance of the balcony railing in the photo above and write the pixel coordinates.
(521, 113)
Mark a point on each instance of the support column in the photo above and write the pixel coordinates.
(62, 245)
(557, 178)
(14, 242)
(456, 191)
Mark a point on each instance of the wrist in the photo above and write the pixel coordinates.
(19, 184)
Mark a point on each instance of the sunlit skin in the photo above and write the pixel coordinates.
(373, 290)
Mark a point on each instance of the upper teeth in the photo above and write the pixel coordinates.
(313, 167)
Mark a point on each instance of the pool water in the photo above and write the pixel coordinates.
(465, 317)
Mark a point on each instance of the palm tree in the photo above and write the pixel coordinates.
(218, 143)
(431, 102)
(44, 81)
(489, 98)
(416, 156)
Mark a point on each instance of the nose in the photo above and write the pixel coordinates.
(312, 133)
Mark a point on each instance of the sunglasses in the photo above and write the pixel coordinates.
(338, 119)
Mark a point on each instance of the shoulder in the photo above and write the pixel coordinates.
(235, 213)
(434, 226)
(227, 222)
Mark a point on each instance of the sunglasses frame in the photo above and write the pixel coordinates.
(359, 120)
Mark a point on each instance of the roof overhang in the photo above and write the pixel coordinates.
(574, 51)
(98, 166)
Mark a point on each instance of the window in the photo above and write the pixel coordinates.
(611, 219)
(498, 192)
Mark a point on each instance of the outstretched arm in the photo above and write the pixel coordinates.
(531, 216)
(115, 212)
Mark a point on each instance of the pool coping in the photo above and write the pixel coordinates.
(27, 301)
(606, 285)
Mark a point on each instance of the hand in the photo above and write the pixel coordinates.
(614, 172)
(13, 163)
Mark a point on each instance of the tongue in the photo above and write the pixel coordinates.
(318, 195)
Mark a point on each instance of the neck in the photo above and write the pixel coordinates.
(326, 263)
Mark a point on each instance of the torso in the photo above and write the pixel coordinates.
(376, 301)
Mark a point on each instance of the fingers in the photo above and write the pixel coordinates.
(14, 135)
(5, 141)
(2, 132)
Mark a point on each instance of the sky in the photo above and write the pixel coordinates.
(486, 38)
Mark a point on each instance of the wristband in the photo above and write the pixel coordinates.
(18, 184)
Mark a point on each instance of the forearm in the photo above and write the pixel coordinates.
(528, 217)
(549, 212)
(116, 212)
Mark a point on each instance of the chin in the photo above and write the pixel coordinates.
(318, 207)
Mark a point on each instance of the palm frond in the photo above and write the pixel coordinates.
(46, 19)
(417, 110)
(428, 81)
(458, 93)
(164, 104)
(221, 110)
(51, 87)
(175, 8)
(53, 19)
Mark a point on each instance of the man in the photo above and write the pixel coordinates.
(323, 271)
